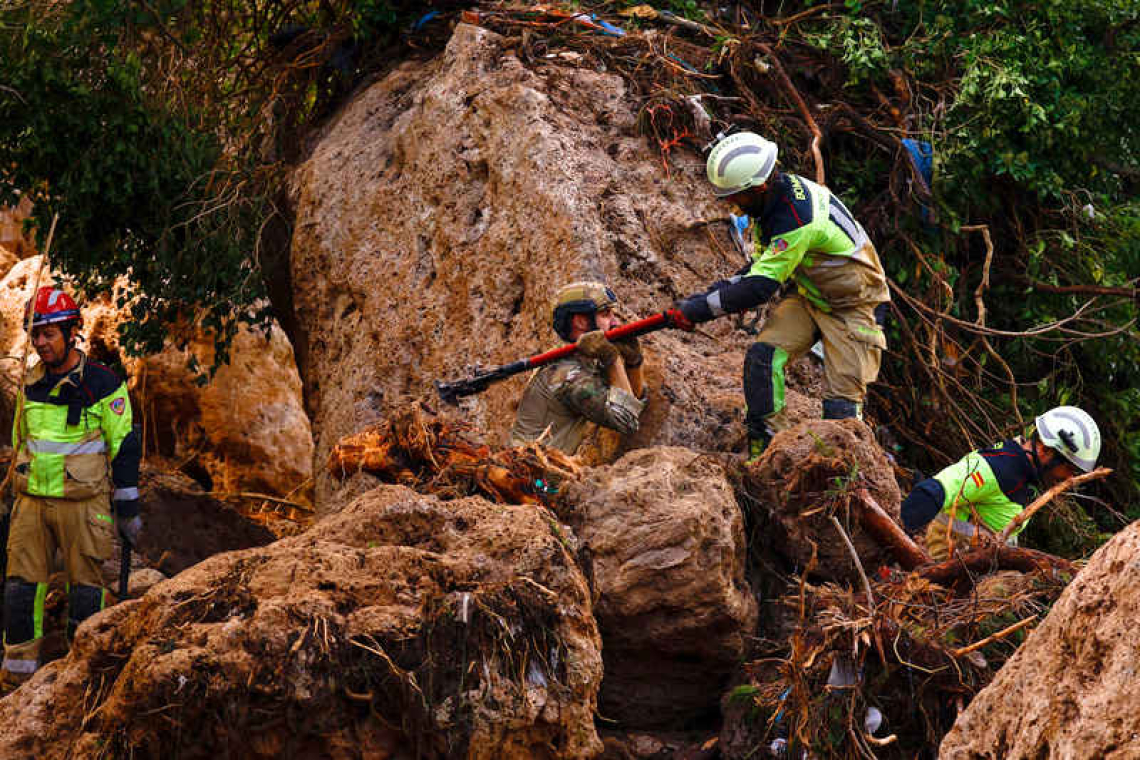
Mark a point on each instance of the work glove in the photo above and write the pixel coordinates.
(630, 349)
(127, 520)
(595, 345)
(676, 318)
(129, 529)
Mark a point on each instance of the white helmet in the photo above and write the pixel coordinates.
(1072, 433)
(740, 161)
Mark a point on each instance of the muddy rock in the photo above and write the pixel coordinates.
(1071, 689)
(183, 525)
(401, 626)
(14, 242)
(805, 476)
(446, 204)
(245, 430)
(665, 539)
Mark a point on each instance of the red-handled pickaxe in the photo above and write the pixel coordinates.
(452, 392)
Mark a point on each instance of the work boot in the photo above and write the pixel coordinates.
(756, 448)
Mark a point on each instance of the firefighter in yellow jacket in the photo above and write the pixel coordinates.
(75, 481)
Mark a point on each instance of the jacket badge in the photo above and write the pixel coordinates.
(119, 405)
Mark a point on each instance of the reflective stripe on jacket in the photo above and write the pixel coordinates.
(74, 439)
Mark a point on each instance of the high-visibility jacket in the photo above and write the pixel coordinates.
(73, 436)
(806, 234)
(997, 483)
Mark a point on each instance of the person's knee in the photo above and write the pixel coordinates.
(842, 409)
(764, 379)
(19, 610)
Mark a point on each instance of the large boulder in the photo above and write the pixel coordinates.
(402, 626)
(808, 475)
(666, 544)
(446, 204)
(1071, 690)
(243, 431)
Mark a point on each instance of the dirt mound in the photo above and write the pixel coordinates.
(183, 525)
(1071, 690)
(807, 476)
(402, 626)
(665, 539)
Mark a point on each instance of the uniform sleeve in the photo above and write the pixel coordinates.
(586, 394)
(782, 255)
(123, 445)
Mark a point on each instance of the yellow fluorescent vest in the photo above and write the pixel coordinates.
(58, 460)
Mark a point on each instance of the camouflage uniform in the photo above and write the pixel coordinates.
(565, 397)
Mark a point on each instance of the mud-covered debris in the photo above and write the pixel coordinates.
(402, 626)
(909, 659)
(432, 454)
(808, 475)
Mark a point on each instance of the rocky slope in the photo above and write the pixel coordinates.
(421, 250)
(1071, 690)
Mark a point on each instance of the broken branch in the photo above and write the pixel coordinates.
(1046, 497)
(886, 531)
(794, 95)
(956, 653)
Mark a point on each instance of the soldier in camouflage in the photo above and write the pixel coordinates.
(599, 383)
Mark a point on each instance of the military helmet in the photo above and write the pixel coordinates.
(740, 161)
(1072, 433)
(585, 297)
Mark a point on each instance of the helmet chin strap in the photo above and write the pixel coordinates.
(68, 348)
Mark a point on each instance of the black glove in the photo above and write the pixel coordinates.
(127, 520)
(630, 350)
(695, 308)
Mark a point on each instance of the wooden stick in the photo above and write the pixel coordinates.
(996, 557)
(956, 653)
(220, 495)
(794, 94)
(886, 531)
(855, 559)
(1046, 497)
(19, 422)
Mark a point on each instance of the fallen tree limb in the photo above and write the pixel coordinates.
(1046, 497)
(887, 532)
(798, 100)
(992, 637)
(991, 558)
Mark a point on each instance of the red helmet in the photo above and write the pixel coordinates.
(52, 306)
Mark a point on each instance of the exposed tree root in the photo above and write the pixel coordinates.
(421, 450)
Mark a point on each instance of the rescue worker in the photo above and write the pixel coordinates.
(76, 456)
(803, 233)
(997, 483)
(601, 382)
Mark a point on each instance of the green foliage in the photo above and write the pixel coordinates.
(157, 133)
(1032, 111)
(859, 44)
